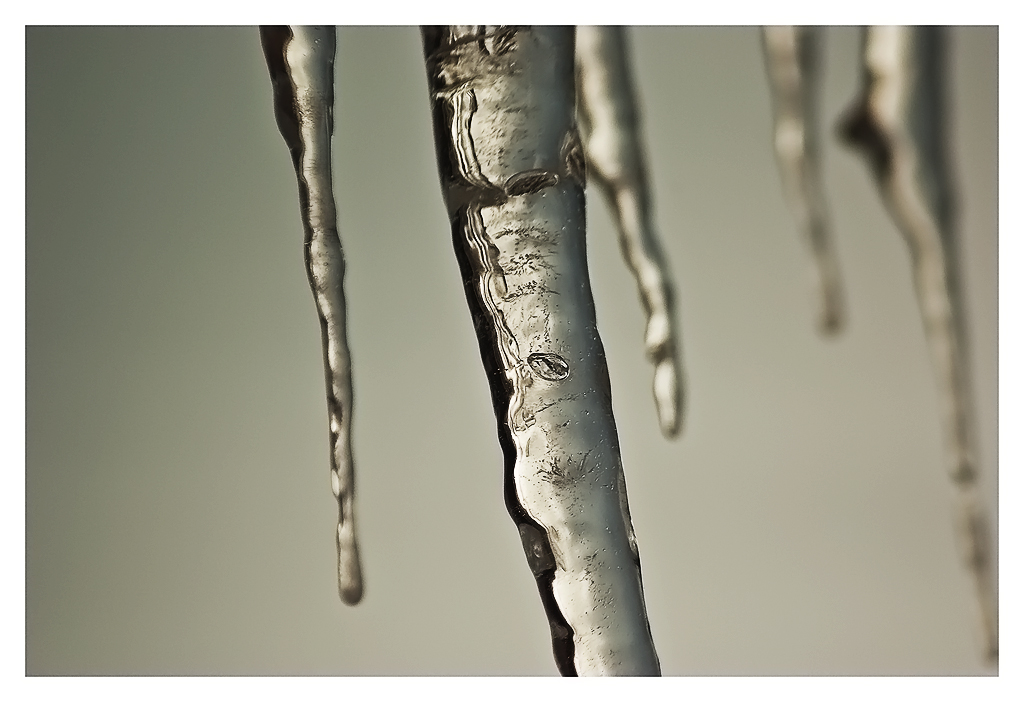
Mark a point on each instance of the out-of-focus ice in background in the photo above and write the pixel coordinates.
(179, 512)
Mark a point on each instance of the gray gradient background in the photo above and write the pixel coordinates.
(179, 512)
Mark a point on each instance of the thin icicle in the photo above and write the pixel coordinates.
(792, 59)
(301, 62)
(613, 145)
(898, 123)
(512, 175)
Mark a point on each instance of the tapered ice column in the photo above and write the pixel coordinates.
(792, 58)
(301, 62)
(898, 122)
(610, 124)
(512, 174)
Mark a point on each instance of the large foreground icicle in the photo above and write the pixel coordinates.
(512, 172)
(792, 58)
(301, 62)
(898, 124)
(610, 123)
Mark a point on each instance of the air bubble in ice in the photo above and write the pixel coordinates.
(549, 366)
(538, 551)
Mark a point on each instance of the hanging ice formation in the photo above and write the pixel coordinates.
(513, 164)
(610, 120)
(301, 62)
(512, 170)
(898, 124)
(793, 57)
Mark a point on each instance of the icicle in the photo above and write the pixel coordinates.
(512, 176)
(792, 58)
(301, 62)
(898, 123)
(615, 158)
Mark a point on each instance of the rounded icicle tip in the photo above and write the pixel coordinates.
(668, 398)
(350, 573)
(351, 592)
(831, 322)
(831, 305)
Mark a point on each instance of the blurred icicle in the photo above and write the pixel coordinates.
(609, 121)
(898, 123)
(512, 174)
(792, 58)
(301, 62)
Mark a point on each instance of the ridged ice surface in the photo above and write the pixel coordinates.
(898, 124)
(511, 172)
(792, 59)
(301, 62)
(610, 123)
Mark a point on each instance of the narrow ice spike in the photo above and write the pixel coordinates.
(793, 59)
(898, 123)
(301, 62)
(511, 169)
(613, 144)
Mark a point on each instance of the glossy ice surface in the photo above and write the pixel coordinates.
(301, 61)
(508, 151)
(178, 520)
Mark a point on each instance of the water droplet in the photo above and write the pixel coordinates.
(548, 366)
